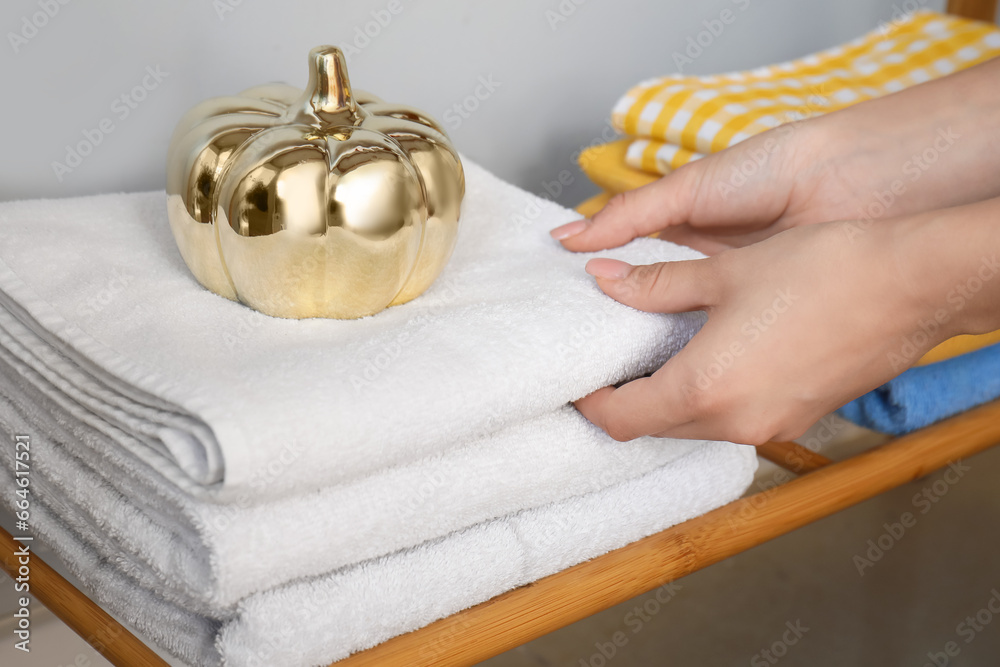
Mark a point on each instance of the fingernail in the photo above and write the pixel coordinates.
(603, 267)
(568, 230)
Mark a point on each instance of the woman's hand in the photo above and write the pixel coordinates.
(927, 147)
(805, 315)
(801, 323)
(708, 204)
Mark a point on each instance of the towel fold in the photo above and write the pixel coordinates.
(210, 394)
(676, 119)
(927, 394)
(316, 620)
(213, 554)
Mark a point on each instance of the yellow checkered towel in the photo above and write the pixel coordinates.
(676, 119)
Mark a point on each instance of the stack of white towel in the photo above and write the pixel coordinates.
(251, 490)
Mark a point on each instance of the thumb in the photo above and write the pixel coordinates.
(640, 212)
(666, 287)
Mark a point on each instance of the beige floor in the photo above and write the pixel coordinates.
(910, 603)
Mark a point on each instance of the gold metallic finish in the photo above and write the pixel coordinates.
(326, 202)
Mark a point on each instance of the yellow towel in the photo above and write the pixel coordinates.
(605, 166)
(676, 119)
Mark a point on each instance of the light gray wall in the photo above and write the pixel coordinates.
(558, 66)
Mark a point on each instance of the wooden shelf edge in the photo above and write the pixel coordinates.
(793, 456)
(526, 613)
(98, 628)
(982, 10)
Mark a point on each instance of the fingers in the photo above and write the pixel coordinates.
(667, 287)
(635, 213)
(637, 408)
(666, 402)
(664, 406)
(734, 195)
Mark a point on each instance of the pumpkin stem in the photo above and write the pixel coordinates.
(329, 89)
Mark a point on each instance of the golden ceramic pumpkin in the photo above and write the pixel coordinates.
(319, 203)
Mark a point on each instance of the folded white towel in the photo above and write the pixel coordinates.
(211, 394)
(321, 619)
(216, 554)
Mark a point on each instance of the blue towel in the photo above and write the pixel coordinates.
(927, 394)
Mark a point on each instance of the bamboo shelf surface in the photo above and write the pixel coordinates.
(108, 637)
(792, 456)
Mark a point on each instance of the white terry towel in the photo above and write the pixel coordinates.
(216, 554)
(210, 393)
(203, 550)
(325, 618)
